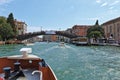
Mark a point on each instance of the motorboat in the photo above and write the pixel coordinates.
(25, 67)
(62, 44)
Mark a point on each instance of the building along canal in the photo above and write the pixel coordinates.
(75, 62)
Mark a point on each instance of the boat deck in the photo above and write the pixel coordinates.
(27, 75)
(21, 78)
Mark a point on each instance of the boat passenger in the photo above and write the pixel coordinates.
(43, 63)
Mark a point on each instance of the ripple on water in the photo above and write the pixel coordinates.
(76, 62)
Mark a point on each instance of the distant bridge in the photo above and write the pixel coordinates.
(61, 33)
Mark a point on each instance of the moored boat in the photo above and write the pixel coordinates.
(29, 44)
(25, 67)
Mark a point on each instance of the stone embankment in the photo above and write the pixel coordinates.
(10, 42)
(2, 42)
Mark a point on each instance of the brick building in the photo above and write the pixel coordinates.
(112, 29)
(80, 30)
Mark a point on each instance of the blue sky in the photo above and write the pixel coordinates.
(60, 14)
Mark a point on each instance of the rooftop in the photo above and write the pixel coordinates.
(112, 21)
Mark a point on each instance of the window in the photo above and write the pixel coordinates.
(110, 28)
(118, 27)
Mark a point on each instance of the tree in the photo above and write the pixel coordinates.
(11, 21)
(95, 31)
(95, 35)
(6, 31)
(2, 19)
(97, 23)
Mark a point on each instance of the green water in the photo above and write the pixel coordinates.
(75, 62)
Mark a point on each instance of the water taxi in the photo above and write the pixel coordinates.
(25, 67)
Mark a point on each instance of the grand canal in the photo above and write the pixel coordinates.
(75, 62)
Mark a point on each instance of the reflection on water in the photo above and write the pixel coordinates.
(75, 62)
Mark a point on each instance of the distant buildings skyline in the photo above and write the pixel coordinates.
(111, 29)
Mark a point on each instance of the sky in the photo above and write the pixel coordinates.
(60, 14)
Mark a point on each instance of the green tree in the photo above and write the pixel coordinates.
(11, 21)
(2, 20)
(95, 35)
(95, 31)
(6, 31)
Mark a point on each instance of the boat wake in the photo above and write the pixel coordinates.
(58, 48)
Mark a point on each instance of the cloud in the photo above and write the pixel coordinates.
(110, 12)
(108, 3)
(3, 5)
(114, 3)
(104, 4)
(98, 1)
(94, 18)
(33, 29)
(111, 7)
(115, 11)
(2, 2)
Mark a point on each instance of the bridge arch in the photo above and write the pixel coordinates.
(30, 35)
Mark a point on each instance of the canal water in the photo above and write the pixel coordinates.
(75, 62)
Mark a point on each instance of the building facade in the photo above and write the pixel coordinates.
(80, 30)
(51, 38)
(21, 27)
(69, 30)
(112, 29)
